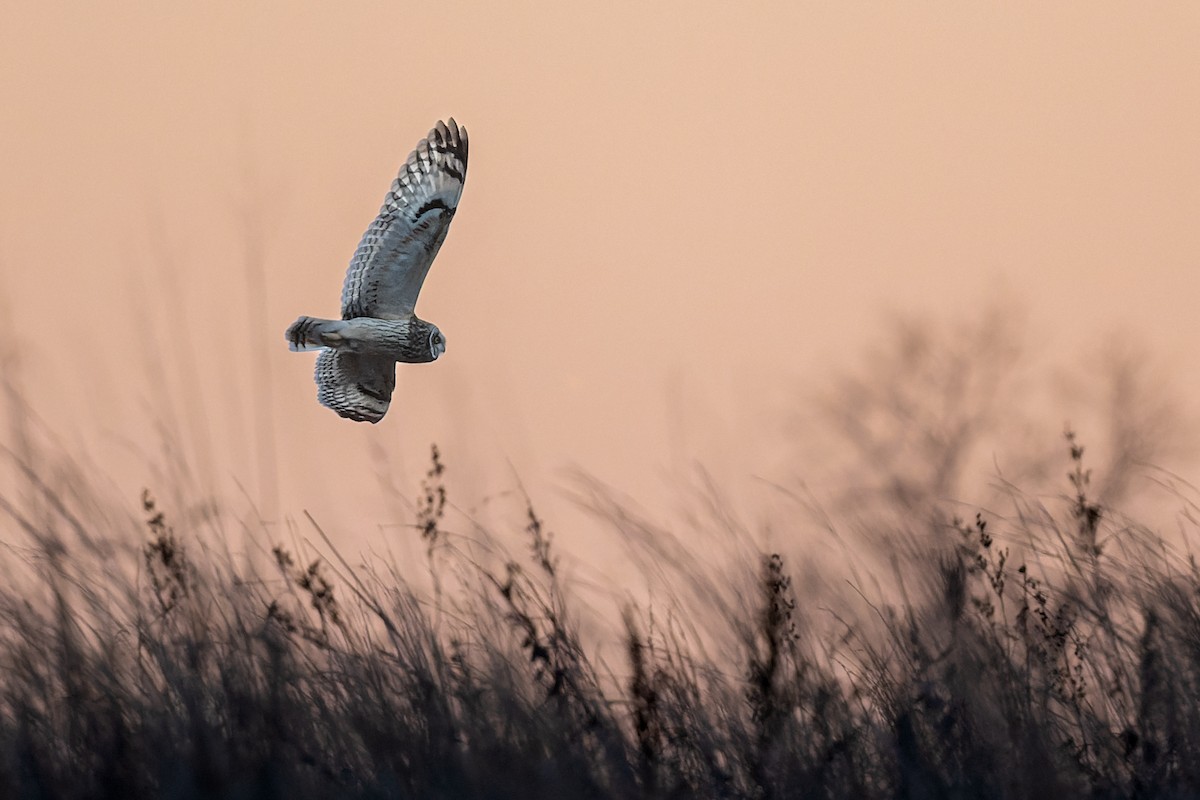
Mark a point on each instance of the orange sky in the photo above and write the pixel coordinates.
(677, 216)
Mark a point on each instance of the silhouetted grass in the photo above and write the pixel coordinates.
(173, 670)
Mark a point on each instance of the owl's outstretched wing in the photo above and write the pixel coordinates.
(395, 253)
(357, 387)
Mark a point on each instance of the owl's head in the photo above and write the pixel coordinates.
(437, 343)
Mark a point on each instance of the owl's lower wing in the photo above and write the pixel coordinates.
(357, 387)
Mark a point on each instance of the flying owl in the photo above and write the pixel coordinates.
(356, 370)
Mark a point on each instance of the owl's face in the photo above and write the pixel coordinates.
(437, 343)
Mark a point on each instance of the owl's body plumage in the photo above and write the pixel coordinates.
(356, 370)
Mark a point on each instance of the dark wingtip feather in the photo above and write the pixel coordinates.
(455, 136)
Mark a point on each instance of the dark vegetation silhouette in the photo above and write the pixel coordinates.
(1049, 648)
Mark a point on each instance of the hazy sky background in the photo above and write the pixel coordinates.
(678, 217)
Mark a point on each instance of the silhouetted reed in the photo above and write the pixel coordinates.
(1045, 652)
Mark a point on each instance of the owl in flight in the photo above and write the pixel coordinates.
(356, 369)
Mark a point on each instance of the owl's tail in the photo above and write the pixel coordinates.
(311, 333)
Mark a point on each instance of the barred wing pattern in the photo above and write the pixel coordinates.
(395, 253)
(358, 387)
